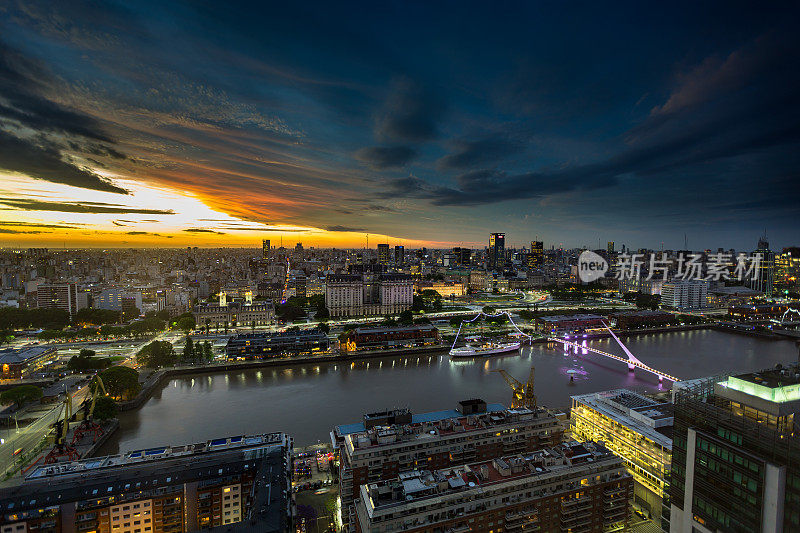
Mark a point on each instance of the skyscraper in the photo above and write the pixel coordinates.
(610, 248)
(764, 281)
(399, 255)
(265, 248)
(383, 254)
(537, 255)
(497, 250)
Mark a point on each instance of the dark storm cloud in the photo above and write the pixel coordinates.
(382, 157)
(21, 232)
(44, 161)
(343, 228)
(474, 153)
(411, 113)
(79, 207)
(22, 82)
(728, 107)
(143, 233)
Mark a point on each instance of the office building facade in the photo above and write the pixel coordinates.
(383, 254)
(684, 294)
(497, 251)
(62, 296)
(636, 428)
(736, 453)
(368, 294)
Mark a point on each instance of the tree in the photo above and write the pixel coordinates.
(418, 303)
(253, 326)
(188, 350)
(121, 381)
(89, 315)
(21, 395)
(289, 312)
(489, 310)
(226, 327)
(405, 318)
(208, 351)
(322, 313)
(389, 321)
(157, 354)
(186, 323)
(86, 360)
(455, 322)
(324, 328)
(105, 408)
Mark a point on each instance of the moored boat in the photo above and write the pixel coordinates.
(486, 348)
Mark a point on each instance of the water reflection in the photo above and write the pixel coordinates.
(307, 400)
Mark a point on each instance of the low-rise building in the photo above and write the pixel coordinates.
(570, 487)
(763, 311)
(643, 318)
(638, 429)
(266, 345)
(386, 338)
(684, 294)
(554, 324)
(259, 313)
(18, 363)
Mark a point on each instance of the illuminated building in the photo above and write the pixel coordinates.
(636, 428)
(461, 256)
(399, 255)
(383, 254)
(787, 270)
(389, 443)
(236, 313)
(684, 294)
(62, 296)
(570, 487)
(266, 345)
(172, 489)
(497, 251)
(536, 257)
(610, 248)
(17, 363)
(764, 278)
(757, 311)
(391, 337)
(554, 324)
(368, 294)
(736, 453)
(265, 248)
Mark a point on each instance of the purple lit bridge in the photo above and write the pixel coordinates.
(632, 362)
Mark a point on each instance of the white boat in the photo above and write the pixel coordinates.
(486, 348)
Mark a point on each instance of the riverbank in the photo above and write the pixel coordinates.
(160, 376)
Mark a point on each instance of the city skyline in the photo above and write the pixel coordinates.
(189, 125)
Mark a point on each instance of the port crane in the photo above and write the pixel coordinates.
(523, 393)
(88, 426)
(61, 448)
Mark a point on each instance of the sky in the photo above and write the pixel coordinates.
(419, 123)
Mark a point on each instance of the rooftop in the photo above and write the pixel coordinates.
(650, 418)
(433, 416)
(12, 356)
(568, 318)
(420, 485)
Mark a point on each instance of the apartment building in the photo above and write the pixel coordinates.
(388, 443)
(172, 489)
(575, 487)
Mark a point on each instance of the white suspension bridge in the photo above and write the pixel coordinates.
(631, 360)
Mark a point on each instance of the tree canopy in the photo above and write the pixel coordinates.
(105, 408)
(21, 395)
(86, 360)
(157, 354)
(98, 317)
(121, 381)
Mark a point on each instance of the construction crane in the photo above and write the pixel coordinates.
(523, 394)
(61, 447)
(88, 425)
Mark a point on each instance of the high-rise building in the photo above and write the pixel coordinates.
(62, 296)
(497, 251)
(570, 487)
(536, 257)
(736, 453)
(610, 248)
(684, 294)
(265, 248)
(787, 270)
(383, 254)
(763, 280)
(389, 443)
(636, 428)
(399, 255)
(368, 294)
